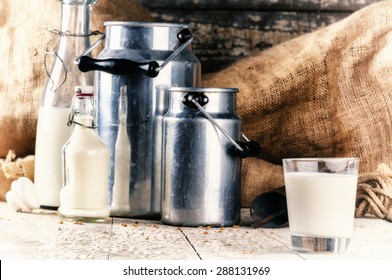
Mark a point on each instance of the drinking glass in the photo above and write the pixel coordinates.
(321, 196)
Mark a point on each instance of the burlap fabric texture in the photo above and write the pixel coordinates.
(323, 94)
(22, 50)
(12, 168)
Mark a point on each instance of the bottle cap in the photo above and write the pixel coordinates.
(84, 90)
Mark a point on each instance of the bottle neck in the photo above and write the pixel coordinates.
(75, 26)
(75, 17)
(84, 112)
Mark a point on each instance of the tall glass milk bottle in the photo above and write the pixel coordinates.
(122, 155)
(52, 129)
(84, 196)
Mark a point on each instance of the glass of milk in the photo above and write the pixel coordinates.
(321, 196)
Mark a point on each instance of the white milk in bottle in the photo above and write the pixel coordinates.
(122, 160)
(52, 134)
(84, 196)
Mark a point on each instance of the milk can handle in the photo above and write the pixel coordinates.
(119, 66)
(238, 149)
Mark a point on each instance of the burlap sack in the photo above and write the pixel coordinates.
(5, 183)
(12, 168)
(323, 94)
(22, 48)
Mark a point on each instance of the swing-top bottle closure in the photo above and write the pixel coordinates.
(82, 92)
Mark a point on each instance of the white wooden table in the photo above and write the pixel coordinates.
(42, 235)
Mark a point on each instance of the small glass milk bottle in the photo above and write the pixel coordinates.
(84, 196)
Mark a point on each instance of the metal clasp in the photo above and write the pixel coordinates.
(195, 100)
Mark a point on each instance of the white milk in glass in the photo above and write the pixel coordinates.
(321, 204)
(52, 133)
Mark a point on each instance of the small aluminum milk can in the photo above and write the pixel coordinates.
(201, 159)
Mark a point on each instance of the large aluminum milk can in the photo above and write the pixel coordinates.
(202, 151)
(138, 61)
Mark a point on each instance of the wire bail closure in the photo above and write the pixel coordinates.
(72, 112)
(194, 100)
(53, 51)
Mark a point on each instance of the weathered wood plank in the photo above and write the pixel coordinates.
(227, 30)
(222, 37)
(261, 5)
